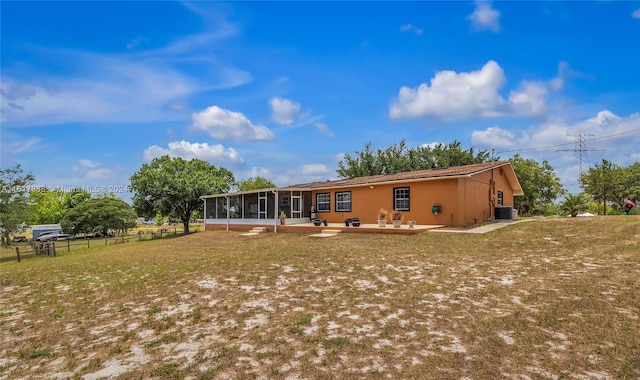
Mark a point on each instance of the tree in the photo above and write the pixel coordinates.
(540, 184)
(575, 204)
(100, 214)
(172, 187)
(75, 197)
(49, 205)
(14, 201)
(631, 182)
(399, 158)
(255, 184)
(609, 183)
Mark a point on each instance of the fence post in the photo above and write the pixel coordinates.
(105, 240)
(88, 243)
(68, 246)
(18, 253)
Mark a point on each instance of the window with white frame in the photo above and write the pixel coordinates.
(343, 201)
(401, 198)
(323, 202)
(500, 198)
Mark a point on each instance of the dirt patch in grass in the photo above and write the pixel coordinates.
(552, 298)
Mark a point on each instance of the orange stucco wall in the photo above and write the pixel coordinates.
(462, 200)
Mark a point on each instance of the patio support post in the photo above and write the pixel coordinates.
(275, 212)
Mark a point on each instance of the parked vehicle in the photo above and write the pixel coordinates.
(52, 237)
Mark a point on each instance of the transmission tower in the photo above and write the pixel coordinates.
(581, 148)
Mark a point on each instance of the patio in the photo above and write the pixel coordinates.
(311, 228)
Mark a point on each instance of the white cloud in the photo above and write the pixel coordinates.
(226, 125)
(314, 169)
(493, 137)
(484, 17)
(324, 129)
(636, 13)
(307, 173)
(90, 170)
(259, 172)
(603, 136)
(130, 86)
(475, 94)
(19, 146)
(88, 164)
(212, 153)
(453, 96)
(529, 100)
(605, 117)
(284, 110)
(410, 27)
(102, 173)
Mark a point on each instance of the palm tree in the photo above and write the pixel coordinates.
(575, 204)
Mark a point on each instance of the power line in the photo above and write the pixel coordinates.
(565, 144)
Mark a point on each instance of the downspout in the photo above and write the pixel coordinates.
(204, 220)
(227, 198)
(492, 186)
(275, 212)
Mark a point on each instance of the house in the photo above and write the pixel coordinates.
(454, 196)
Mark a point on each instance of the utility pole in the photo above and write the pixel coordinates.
(581, 148)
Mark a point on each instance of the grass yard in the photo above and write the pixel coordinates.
(551, 298)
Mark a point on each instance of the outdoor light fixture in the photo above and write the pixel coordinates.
(436, 209)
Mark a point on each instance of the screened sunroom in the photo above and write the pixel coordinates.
(258, 207)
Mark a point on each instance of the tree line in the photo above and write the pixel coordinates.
(171, 188)
(165, 189)
(605, 183)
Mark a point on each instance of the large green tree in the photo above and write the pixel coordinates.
(75, 197)
(609, 183)
(14, 201)
(49, 206)
(256, 183)
(173, 186)
(540, 184)
(399, 158)
(100, 214)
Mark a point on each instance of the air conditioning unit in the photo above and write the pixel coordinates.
(503, 212)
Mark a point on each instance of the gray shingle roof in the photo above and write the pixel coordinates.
(454, 171)
(428, 174)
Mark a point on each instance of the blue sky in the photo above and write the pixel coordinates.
(92, 90)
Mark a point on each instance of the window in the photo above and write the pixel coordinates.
(323, 202)
(343, 201)
(500, 198)
(401, 198)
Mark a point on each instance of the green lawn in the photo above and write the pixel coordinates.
(552, 298)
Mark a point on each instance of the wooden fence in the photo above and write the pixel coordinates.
(51, 248)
